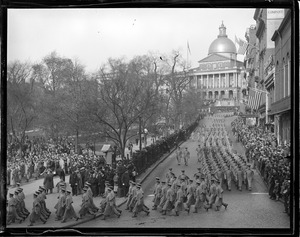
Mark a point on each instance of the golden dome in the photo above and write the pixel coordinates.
(222, 44)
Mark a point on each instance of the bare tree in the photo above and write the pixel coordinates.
(125, 94)
(21, 103)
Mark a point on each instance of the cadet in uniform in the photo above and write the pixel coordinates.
(219, 200)
(36, 211)
(169, 204)
(69, 210)
(157, 194)
(139, 204)
(85, 206)
(110, 207)
(190, 195)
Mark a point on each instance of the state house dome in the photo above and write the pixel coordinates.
(222, 45)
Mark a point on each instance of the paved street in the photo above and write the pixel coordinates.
(246, 209)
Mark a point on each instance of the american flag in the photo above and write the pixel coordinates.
(254, 99)
(243, 45)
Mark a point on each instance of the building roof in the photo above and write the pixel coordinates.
(222, 44)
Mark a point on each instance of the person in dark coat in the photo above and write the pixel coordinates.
(125, 183)
(73, 181)
(47, 182)
(62, 175)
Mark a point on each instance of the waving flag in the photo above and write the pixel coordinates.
(254, 99)
(243, 45)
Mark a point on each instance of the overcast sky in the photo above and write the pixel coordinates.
(94, 35)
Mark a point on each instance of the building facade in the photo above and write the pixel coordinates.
(281, 105)
(267, 22)
(219, 76)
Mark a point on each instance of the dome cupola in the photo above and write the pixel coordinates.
(222, 45)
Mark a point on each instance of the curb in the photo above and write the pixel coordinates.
(123, 202)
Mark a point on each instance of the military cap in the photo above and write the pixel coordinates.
(169, 184)
(35, 194)
(88, 183)
(157, 178)
(170, 168)
(197, 182)
(191, 180)
(84, 189)
(18, 184)
(109, 188)
(11, 194)
(63, 190)
(163, 182)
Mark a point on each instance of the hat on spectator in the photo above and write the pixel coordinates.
(82, 168)
(88, 183)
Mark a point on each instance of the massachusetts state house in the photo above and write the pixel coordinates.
(219, 76)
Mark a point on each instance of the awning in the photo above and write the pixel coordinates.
(106, 148)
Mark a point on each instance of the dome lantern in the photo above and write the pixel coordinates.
(222, 31)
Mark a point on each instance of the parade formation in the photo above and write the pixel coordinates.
(219, 169)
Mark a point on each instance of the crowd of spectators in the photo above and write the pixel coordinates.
(271, 159)
(38, 157)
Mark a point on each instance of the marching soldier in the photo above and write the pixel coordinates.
(110, 207)
(42, 197)
(197, 197)
(212, 194)
(139, 204)
(36, 211)
(85, 206)
(228, 177)
(178, 155)
(249, 177)
(157, 194)
(169, 175)
(60, 206)
(179, 199)
(219, 200)
(183, 177)
(133, 199)
(169, 200)
(17, 201)
(69, 210)
(22, 198)
(186, 156)
(103, 202)
(90, 194)
(198, 150)
(190, 195)
(163, 195)
(12, 210)
(240, 178)
(130, 194)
